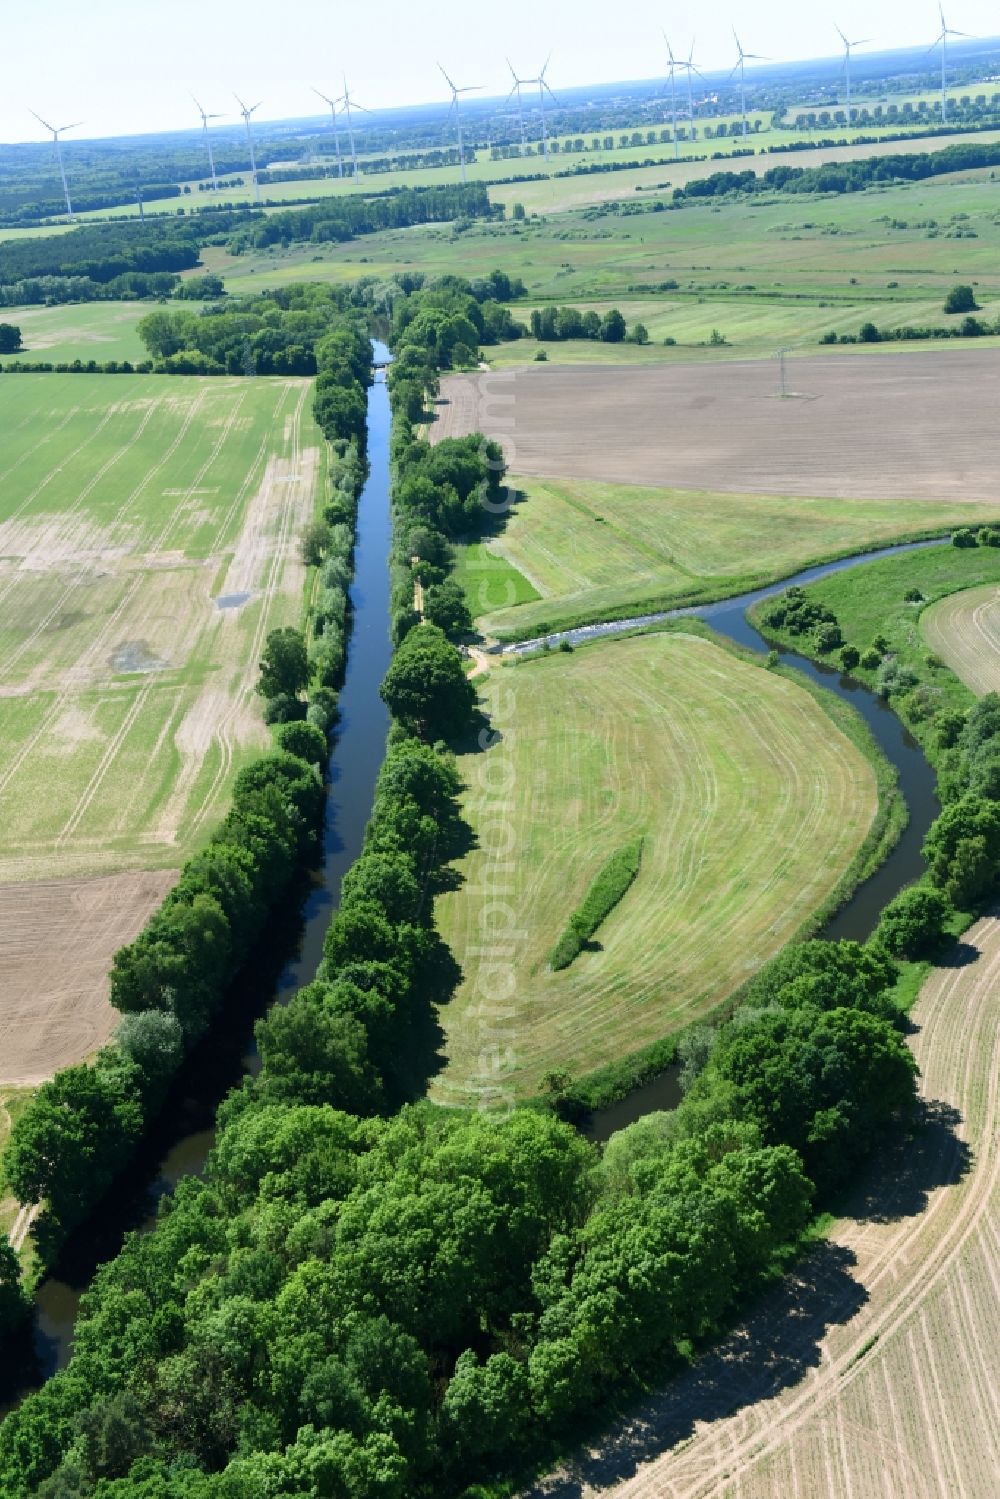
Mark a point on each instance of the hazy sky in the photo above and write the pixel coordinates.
(123, 66)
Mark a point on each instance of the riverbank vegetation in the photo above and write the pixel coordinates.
(79, 1130)
(598, 551)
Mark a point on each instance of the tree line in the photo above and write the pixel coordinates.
(337, 219)
(846, 176)
(367, 1296)
(81, 1128)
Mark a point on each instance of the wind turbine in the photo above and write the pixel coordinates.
(55, 140)
(942, 39)
(847, 62)
(348, 104)
(520, 110)
(470, 88)
(336, 133)
(543, 89)
(741, 59)
(208, 144)
(674, 65)
(246, 113)
(690, 67)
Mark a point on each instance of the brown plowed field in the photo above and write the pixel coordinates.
(56, 942)
(874, 1371)
(909, 425)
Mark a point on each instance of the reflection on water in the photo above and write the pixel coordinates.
(179, 1143)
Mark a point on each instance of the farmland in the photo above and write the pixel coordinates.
(86, 330)
(130, 507)
(554, 193)
(964, 630)
(920, 427)
(873, 1368)
(719, 766)
(584, 549)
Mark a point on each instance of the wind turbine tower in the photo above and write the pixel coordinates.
(336, 133)
(470, 88)
(744, 57)
(55, 141)
(674, 65)
(847, 62)
(350, 104)
(942, 41)
(246, 113)
(520, 107)
(208, 142)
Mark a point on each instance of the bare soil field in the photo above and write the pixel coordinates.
(56, 941)
(964, 630)
(874, 1370)
(921, 426)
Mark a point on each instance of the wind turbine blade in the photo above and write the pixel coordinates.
(256, 106)
(76, 124)
(41, 121)
(756, 57)
(551, 95)
(950, 32)
(691, 53)
(841, 35)
(243, 108)
(470, 88)
(547, 61)
(448, 80)
(321, 95)
(670, 53)
(512, 73)
(511, 94)
(739, 47)
(198, 107)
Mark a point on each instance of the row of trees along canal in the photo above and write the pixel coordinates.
(365, 1295)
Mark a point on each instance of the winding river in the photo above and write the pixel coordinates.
(290, 957)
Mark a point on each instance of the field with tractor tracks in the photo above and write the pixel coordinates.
(148, 541)
(752, 804)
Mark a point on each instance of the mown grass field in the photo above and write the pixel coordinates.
(752, 804)
(596, 550)
(82, 330)
(128, 506)
(964, 630)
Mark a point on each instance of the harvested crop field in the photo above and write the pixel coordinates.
(889, 426)
(149, 539)
(56, 941)
(873, 1370)
(752, 804)
(964, 630)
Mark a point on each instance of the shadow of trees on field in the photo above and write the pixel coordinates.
(779, 1342)
(774, 1350)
